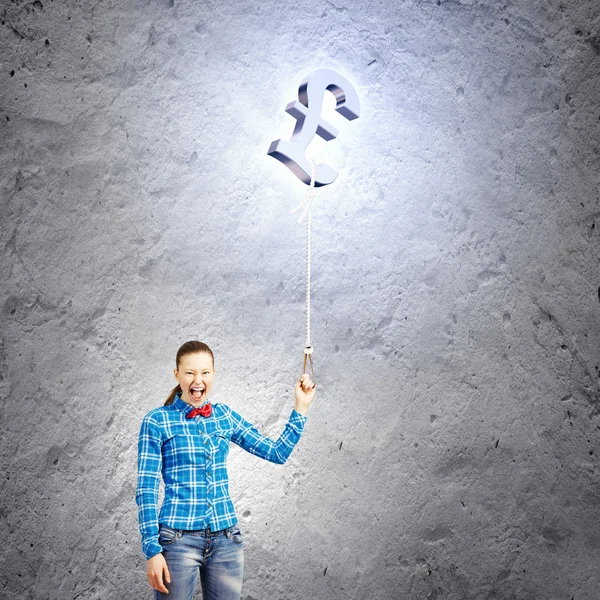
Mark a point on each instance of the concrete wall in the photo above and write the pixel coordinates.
(451, 450)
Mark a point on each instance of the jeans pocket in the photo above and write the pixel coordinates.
(166, 535)
(236, 535)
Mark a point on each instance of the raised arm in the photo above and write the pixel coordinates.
(246, 435)
(146, 496)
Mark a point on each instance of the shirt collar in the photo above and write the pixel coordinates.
(182, 405)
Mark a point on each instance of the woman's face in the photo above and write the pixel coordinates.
(195, 376)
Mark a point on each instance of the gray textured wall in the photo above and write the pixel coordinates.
(451, 451)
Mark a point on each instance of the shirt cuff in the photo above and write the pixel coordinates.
(152, 549)
(297, 418)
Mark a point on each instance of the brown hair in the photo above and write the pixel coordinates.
(191, 347)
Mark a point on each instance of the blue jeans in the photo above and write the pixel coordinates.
(219, 556)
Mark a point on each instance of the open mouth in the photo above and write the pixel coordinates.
(197, 393)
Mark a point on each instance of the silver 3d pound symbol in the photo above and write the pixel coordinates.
(307, 112)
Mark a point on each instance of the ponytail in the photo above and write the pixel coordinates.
(172, 395)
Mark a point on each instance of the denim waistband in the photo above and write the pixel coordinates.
(208, 530)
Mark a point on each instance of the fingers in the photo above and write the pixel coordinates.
(155, 576)
(306, 383)
(160, 586)
(157, 583)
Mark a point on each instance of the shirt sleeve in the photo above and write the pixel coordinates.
(146, 496)
(247, 437)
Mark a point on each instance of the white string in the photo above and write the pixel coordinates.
(308, 198)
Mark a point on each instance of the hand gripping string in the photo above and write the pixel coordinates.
(308, 198)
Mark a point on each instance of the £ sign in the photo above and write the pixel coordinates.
(307, 112)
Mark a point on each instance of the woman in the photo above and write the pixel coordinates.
(187, 440)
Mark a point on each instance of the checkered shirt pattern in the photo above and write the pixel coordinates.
(191, 454)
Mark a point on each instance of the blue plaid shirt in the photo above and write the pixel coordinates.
(191, 454)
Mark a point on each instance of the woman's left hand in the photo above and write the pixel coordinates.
(304, 394)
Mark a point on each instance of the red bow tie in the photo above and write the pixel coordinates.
(204, 411)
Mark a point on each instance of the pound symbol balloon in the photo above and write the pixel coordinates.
(307, 112)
